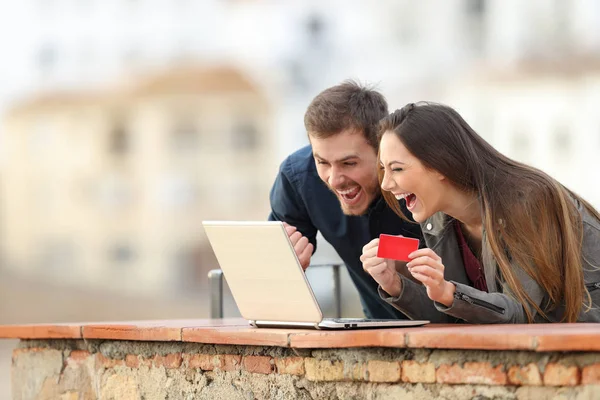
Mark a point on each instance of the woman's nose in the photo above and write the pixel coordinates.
(386, 183)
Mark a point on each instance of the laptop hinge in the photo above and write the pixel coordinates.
(253, 323)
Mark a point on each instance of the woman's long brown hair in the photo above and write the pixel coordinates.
(530, 219)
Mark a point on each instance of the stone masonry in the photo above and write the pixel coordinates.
(122, 370)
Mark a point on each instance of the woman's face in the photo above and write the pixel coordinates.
(406, 178)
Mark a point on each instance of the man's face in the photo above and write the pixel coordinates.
(348, 165)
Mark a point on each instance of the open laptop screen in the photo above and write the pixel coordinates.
(262, 271)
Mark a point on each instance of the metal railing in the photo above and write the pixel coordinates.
(215, 284)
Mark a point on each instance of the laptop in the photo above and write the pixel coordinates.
(266, 279)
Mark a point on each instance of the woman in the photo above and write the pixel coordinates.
(506, 242)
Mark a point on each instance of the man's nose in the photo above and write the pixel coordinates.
(336, 178)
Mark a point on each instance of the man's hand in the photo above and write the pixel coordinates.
(302, 246)
(381, 269)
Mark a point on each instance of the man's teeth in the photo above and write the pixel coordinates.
(344, 192)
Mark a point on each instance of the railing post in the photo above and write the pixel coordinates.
(215, 282)
(337, 290)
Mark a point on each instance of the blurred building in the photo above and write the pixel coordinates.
(542, 114)
(131, 172)
(116, 183)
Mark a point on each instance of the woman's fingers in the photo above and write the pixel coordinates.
(424, 279)
(426, 260)
(425, 252)
(372, 261)
(377, 269)
(373, 244)
(427, 267)
(369, 253)
(426, 270)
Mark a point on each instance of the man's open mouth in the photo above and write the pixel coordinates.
(350, 196)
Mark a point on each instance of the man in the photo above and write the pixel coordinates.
(331, 186)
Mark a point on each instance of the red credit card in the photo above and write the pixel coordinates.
(396, 247)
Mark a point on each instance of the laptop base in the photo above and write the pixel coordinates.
(341, 323)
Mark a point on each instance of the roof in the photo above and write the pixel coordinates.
(179, 81)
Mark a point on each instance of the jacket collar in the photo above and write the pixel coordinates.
(436, 224)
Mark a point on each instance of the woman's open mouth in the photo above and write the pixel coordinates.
(410, 198)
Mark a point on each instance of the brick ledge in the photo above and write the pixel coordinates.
(235, 331)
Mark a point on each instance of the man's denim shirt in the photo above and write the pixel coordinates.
(300, 198)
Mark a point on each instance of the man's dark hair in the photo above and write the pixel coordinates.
(346, 106)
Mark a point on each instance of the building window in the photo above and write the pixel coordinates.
(114, 193)
(561, 143)
(561, 31)
(176, 191)
(47, 58)
(132, 57)
(120, 139)
(245, 135)
(185, 136)
(57, 255)
(86, 56)
(476, 7)
(315, 30)
(121, 254)
(475, 13)
(521, 146)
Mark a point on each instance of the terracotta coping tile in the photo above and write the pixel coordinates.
(238, 335)
(162, 330)
(41, 331)
(582, 337)
(481, 337)
(389, 337)
(535, 337)
(538, 337)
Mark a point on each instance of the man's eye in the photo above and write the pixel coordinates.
(350, 164)
(321, 162)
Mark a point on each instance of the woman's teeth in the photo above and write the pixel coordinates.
(410, 199)
(402, 195)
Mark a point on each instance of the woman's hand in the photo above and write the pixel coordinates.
(426, 267)
(381, 269)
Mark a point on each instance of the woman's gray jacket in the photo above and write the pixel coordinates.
(498, 306)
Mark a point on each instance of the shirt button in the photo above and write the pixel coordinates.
(429, 226)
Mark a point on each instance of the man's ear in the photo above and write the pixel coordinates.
(440, 176)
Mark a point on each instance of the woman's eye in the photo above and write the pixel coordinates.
(397, 169)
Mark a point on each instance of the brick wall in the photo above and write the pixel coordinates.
(154, 370)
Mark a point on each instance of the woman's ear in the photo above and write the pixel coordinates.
(440, 176)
